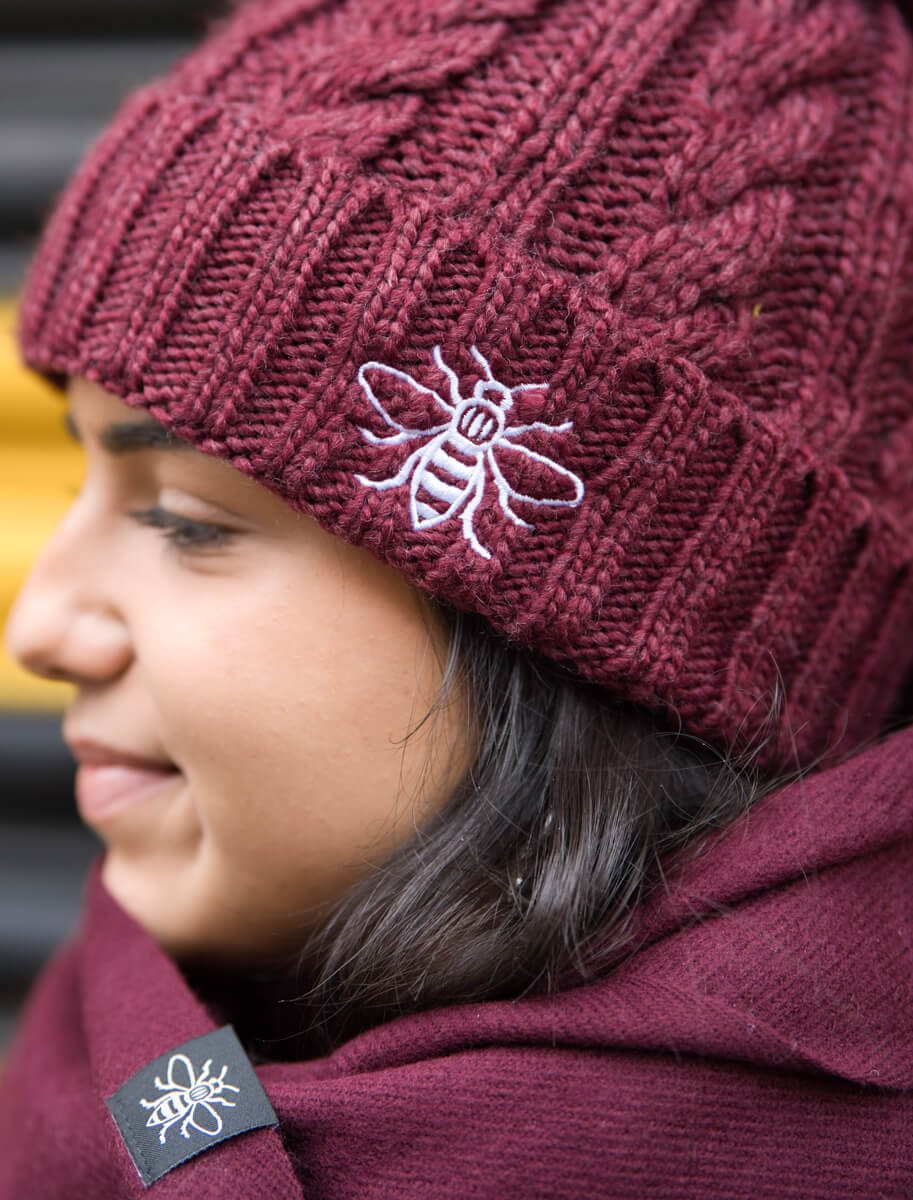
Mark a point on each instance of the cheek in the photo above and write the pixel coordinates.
(292, 745)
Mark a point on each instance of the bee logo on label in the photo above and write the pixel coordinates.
(196, 1101)
(184, 1096)
(449, 472)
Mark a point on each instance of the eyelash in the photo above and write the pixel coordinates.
(182, 532)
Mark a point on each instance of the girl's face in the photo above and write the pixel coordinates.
(244, 684)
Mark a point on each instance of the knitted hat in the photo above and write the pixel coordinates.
(592, 316)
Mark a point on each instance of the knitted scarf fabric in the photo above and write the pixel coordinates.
(759, 1044)
(592, 316)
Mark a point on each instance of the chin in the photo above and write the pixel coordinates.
(142, 896)
(191, 933)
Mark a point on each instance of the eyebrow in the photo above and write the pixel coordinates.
(125, 437)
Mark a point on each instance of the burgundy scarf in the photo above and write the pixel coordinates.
(759, 1044)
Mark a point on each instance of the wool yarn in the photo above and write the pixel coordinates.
(592, 316)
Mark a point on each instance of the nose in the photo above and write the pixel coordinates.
(65, 623)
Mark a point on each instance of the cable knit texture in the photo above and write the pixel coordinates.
(338, 241)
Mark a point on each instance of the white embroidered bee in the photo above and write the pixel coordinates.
(450, 470)
(182, 1101)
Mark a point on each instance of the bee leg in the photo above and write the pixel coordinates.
(165, 1129)
(451, 375)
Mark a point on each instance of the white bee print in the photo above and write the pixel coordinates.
(181, 1100)
(449, 472)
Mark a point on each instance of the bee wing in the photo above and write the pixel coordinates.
(397, 439)
(534, 477)
(211, 1130)
(179, 1084)
(377, 376)
(381, 485)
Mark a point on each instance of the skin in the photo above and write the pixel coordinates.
(277, 667)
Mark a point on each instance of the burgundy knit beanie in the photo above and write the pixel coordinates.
(593, 316)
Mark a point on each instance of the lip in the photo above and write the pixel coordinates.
(109, 780)
(103, 789)
(91, 753)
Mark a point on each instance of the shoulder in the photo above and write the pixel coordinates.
(560, 1121)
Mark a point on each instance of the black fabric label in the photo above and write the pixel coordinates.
(197, 1095)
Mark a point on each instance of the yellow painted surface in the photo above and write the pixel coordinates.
(39, 469)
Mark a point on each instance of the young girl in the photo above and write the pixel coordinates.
(487, 604)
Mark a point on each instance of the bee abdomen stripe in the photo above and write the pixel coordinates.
(440, 488)
(457, 467)
(426, 512)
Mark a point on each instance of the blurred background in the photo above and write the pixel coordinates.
(64, 67)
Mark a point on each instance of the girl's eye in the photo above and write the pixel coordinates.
(182, 532)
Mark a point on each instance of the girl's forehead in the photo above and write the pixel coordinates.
(92, 401)
(90, 408)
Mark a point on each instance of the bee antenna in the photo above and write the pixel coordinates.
(482, 361)
(450, 373)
